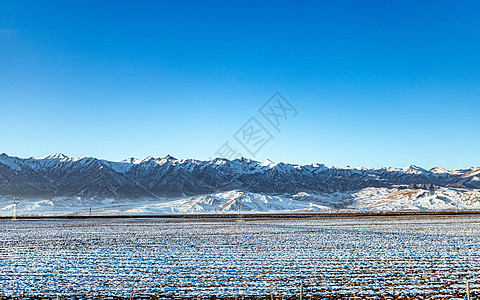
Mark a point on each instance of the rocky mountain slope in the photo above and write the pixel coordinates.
(167, 179)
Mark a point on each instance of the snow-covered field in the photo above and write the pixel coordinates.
(366, 257)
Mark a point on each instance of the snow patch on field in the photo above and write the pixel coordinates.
(364, 258)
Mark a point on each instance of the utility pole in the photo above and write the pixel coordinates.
(468, 290)
(15, 202)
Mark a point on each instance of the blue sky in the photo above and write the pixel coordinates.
(375, 83)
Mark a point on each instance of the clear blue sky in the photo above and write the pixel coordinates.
(375, 83)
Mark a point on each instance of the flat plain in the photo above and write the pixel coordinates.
(398, 257)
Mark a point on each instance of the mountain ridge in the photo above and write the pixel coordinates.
(57, 175)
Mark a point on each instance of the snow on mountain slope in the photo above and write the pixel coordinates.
(122, 166)
(9, 162)
(415, 199)
(221, 203)
(229, 202)
(369, 199)
(55, 182)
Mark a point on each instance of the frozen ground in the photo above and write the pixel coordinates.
(392, 257)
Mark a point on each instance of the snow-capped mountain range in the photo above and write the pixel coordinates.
(166, 185)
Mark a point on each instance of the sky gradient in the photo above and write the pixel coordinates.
(375, 83)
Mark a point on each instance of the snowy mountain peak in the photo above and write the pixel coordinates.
(317, 165)
(412, 169)
(56, 175)
(167, 159)
(219, 161)
(52, 156)
(131, 160)
(267, 163)
(438, 170)
(149, 158)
